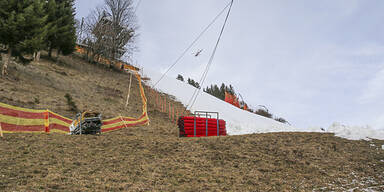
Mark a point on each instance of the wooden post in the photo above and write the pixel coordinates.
(157, 101)
(1, 131)
(164, 100)
(162, 105)
(129, 91)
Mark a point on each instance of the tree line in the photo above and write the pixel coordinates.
(30, 26)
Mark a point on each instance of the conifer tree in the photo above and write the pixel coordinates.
(22, 27)
(62, 31)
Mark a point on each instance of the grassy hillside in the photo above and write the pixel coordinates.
(153, 158)
(93, 87)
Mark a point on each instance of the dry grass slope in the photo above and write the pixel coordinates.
(153, 158)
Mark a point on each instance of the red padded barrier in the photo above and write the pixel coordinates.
(201, 127)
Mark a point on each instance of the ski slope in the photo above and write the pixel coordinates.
(240, 122)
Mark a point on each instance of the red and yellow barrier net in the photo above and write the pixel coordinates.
(20, 120)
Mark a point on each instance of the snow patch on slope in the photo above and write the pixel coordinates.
(355, 132)
(240, 122)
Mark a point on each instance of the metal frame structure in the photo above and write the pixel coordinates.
(207, 115)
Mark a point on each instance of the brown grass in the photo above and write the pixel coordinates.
(153, 158)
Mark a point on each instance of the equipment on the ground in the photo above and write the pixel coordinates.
(86, 123)
(201, 125)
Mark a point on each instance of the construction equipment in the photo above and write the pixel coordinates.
(86, 123)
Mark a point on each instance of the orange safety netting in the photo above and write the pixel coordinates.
(100, 59)
(232, 99)
(20, 120)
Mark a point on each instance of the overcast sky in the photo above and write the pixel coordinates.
(310, 62)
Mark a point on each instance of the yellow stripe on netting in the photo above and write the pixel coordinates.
(115, 118)
(21, 121)
(20, 108)
(58, 121)
(60, 115)
(120, 123)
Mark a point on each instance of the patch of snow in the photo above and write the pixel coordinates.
(355, 132)
(241, 122)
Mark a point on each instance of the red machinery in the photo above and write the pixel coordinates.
(201, 125)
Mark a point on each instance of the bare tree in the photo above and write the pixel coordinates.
(111, 29)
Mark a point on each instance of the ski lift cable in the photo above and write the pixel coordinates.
(204, 76)
(193, 43)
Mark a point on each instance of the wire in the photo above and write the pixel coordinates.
(204, 76)
(193, 43)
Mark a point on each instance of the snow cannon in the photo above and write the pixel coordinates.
(201, 124)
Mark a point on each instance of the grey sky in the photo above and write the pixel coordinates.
(311, 62)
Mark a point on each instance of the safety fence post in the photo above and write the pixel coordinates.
(1, 131)
(164, 105)
(173, 113)
(194, 126)
(206, 126)
(157, 101)
(46, 121)
(218, 129)
(161, 103)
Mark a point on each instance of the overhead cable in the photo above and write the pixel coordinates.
(193, 43)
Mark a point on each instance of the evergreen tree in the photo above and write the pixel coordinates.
(180, 77)
(62, 31)
(220, 92)
(193, 83)
(22, 27)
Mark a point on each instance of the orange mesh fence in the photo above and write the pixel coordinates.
(21, 120)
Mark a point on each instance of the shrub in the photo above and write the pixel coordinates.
(71, 104)
(180, 78)
(281, 120)
(193, 83)
(264, 113)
